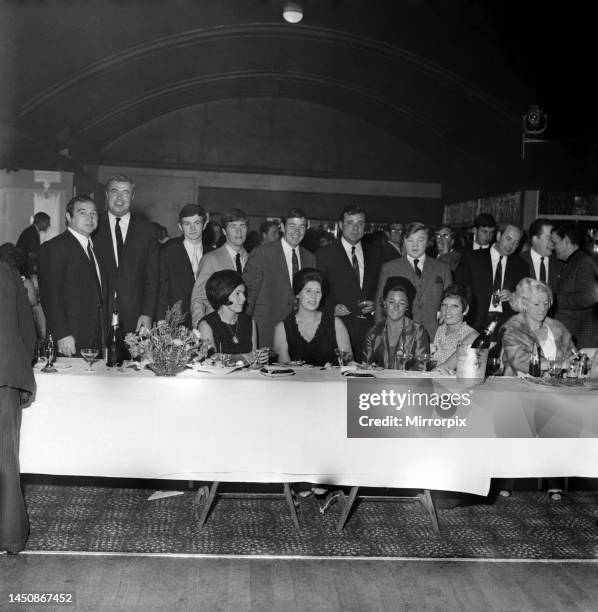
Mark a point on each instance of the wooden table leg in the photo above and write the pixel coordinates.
(347, 505)
(428, 503)
(291, 504)
(208, 502)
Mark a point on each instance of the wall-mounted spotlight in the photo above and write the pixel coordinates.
(292, 12)
(535, 122)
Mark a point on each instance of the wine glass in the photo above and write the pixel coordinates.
(555, 368)
(361, 304)
(341, 355)
(89, 354)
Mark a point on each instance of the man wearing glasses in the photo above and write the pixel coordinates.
(445, 243)
(394, 247)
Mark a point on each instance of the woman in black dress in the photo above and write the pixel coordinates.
(308, 334)
(228, 329)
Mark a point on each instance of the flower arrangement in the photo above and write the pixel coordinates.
(168, 346)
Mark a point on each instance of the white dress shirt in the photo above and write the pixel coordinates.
(195, 253)
(84, 241)
(536, 263)
(233, 255)
(495, 256)
(124, 228)
(287, 249)
(358, 253)
(420, 262)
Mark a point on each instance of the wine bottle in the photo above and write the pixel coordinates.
(485, 338)
(535, 364)
(115, 346)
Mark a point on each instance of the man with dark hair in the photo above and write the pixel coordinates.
(543, 264)
(269, 275)
(179, 262)
(394, 247)
(429, 276)
(230, 256)
(72, 284)
(17, 339)
(128, 248)
(269, 232)
(491, 275)
(29, 241)
(351, 268)
(577, 285)
(484, 228)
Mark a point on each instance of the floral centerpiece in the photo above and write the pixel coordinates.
(168, 346)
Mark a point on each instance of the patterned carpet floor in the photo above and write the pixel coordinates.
(108, 519)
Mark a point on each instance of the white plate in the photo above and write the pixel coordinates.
(210, 369)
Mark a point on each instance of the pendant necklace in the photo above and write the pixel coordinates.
(234, 334)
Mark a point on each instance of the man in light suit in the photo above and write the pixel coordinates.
(17, 339)
(230, 256)
(128, 248)
(179, 262)
(491, 275)
(269, 276)
(351, 268)
(429, 276)
(543, 264)
(72, 284)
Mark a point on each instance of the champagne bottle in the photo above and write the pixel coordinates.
(115, 345)
(535, 364)
(485, 338)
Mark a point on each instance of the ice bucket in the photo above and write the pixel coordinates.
(471, 363)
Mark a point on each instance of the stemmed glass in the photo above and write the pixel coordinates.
(361, 304)
(89, 354)
(50, 355)
(341, 356)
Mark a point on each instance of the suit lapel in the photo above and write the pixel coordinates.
(184, 257)
(282, 262)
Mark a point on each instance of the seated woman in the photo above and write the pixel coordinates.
(228, 329)
(308, 334)
(388, 341)
(532, 300)
(453, 307)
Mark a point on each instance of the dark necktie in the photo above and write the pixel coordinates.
(295, 262)
(119, 240)
(417, 268)
(497, 284)
(355, 264)
(542, 270)
(92, 261)
(238, 263)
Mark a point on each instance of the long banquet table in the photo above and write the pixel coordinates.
(244, 427)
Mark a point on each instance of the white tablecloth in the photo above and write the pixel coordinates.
(244, 427)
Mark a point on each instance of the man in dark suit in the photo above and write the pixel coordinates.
(491, 275)
(542, 263)
(269, 276)
(128, 248)
(17, 339)
(394, 247)
(179, 262)
(29, 241)
(577, 286)
(352, 268)
(429, 276)
(484, 228)
(72, 284)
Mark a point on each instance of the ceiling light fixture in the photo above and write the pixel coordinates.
(292, 12)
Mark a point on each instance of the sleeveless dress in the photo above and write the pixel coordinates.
(320, 349)
(223, 333)
(446, 344)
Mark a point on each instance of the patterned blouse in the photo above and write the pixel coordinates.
(446, 344)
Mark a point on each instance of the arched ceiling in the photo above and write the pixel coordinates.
(450, 80)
